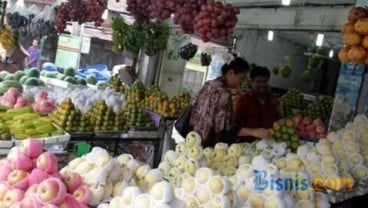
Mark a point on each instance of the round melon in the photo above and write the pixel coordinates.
(69, 72)
(60, 76)
(70, 79)
(23, 79)
(91, 79)
(19, 74)
(49, 67)
(9, 77)
(32, 81)
(3, 74)
(34, 72)
(1, 79)
(81, 81)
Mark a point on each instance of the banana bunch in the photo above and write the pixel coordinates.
(6, 38)
(24, 124)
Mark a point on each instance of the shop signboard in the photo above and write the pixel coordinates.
(68, 51)
(347, 95)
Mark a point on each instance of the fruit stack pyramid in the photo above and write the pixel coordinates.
(24, 123)
(355, 37)
(293, 99)
(69, 118)
(181, 101)
(103, 118)
(13, 98)
(284, 130)
(320, 109)
(134, 111)
(116, 84)
(30, 178)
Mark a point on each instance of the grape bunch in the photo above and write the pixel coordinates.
(162, 9)
(186, 13)
(140, 9)
(216, 20)
(80, 11)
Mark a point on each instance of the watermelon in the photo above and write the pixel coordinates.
(60, 76)
(6, 84)
(32, 81)
(81, 81)
(51, 74)
(34, 72)
(91, 79)
(19, 74)
(70, 79)
(3, 74)
(23, 79)
(1, 79)
(69, 72)
(9, 77)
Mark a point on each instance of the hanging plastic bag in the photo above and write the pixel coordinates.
(188, 51)
(205, 59)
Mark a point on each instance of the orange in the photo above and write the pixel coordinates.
(289, 123)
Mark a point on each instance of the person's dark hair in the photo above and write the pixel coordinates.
(238, 65)
(259, 71)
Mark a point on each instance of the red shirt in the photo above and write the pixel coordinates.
(251, 113)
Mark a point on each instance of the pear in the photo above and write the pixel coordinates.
(235, 150)
(203, 195)
(129, 194)
(162, 192)
(189, 185)
(143, 201)
(170, 157)
(274, 202)
(116, 202)
(256, 200)
(220, 201)
(203, 175)
(75, 163)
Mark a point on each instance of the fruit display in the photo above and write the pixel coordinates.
(104, 118)
(293, 99)
(24, 183)
(43, 104)
(116, 84)
(24, 123)
(355, 37)
(309, 128)
(69, 118)
(320, 109)
(285, 130)
(6, 84)
(181, 101)
(136, 117)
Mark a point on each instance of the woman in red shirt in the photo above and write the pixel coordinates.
(257, 109)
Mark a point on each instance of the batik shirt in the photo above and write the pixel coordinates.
(212, 114)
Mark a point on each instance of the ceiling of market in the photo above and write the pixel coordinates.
(299, 22)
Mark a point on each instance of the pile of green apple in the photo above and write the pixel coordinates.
(293, 99)
(30, 178)
(284, 130)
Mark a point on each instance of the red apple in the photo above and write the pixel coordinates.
(12, 153)
(69, 202)
(81, 205)
(31, 147)
(37, 176)
(12, 196)
(83, 194)
(309, 128)
(49, 206)
(5, 169)
(303, 133)
(22, 162)
(18, 179)
(4, 187)
(72, 180)
(297, 119)
(322, 136)
(51, 191)
(307, 121)
(320, 129)
(30, 201)
(32, 189)
(47, 162)
(318, 122)
(312, 134)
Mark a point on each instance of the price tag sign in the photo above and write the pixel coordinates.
(86, 45)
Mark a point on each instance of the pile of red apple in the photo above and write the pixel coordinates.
(309, 128)
(29, 178)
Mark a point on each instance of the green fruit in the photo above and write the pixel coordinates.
(9, 77)
(19, 74)
(34, 72)
(32, 81)
(69, 72)
(91, 79)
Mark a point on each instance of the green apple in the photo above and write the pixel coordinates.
(181, 149)
(193, 139)
(235, 150)
(195, 153)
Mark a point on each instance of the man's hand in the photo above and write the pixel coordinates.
(261, 133)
